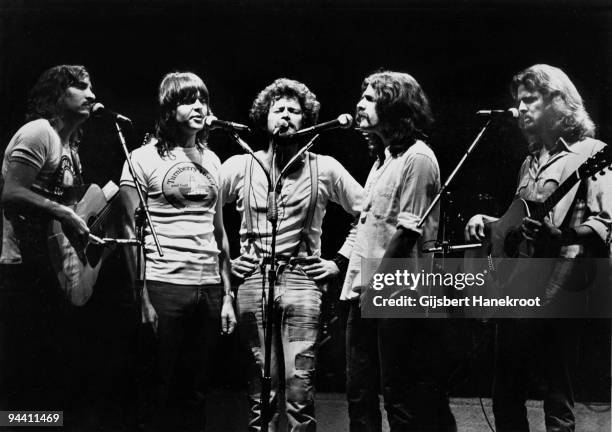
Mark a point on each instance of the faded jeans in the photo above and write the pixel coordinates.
(296, 326)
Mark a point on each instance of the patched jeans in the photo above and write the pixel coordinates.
(296, 326)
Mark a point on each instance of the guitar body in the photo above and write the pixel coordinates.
(509, 261)
(500, 255)
(77, 277)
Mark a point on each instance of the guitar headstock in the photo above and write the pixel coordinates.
(596, 163)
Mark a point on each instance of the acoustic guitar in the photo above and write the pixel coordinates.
(504, 241)
(77, 275)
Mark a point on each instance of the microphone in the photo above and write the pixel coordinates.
(509, 113)
(282, 125)
(99, 110)
(344, 121)
(213, 122)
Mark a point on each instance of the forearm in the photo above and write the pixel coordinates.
(223, 245)
(20, 198)
(400, 246)
(128, 207)
(225, 266)
(582, 234)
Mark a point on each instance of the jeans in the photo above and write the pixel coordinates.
(189, 318)
(408, 356)
(524, 345)
(296, 326)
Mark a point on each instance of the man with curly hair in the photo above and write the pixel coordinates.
(280, 110)
(407, 354)
(40, 168)
(560, 134)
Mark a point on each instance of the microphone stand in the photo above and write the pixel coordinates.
(142, 215)
(444, 246)
(268, 315)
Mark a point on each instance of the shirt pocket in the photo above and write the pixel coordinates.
(383, 202)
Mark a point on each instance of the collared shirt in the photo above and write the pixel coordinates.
(334, 184)
(589, 205)
(398, 191)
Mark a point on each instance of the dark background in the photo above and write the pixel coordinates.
(463, 53)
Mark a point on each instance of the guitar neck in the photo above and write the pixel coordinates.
(556, 196)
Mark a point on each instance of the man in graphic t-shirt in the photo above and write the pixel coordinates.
(187, 295)
(39, 169)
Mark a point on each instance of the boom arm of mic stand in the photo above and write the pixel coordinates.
(294, 158)
(453, 174)
(250, 151)
(138, 189)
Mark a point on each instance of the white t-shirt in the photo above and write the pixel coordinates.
(182, 191)
(37, 144)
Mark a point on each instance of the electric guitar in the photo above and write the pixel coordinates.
(77, 275)
(504, 241)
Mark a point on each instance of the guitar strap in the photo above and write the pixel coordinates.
(578, 192)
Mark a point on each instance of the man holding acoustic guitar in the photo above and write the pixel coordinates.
(42, 172)
(567, 220)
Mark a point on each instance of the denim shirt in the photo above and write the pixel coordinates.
(590, 205)
(398, 191)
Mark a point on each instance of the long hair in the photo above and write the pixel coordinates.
(177, 88)
(566, 113)
(44, 100)
(280, 88)
(402, 107)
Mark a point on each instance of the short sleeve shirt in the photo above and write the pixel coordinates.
(37, 144)
(181, 190)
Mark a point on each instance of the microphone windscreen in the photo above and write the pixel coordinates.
(209, 119)
(345, 120)
(97, 108)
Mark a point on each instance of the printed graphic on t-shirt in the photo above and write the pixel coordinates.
(64, 176)
(189, 185)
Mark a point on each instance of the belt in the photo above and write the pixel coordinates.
(284, 260)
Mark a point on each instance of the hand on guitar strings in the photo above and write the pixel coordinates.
(76, 231)
(542, 234)
(475, 228)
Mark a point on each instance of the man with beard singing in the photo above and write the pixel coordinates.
(281, 109)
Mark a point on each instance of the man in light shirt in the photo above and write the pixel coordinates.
(394, 114)
(280, 110)
(560, 134)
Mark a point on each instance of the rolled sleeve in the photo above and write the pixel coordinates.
(419, 185)
(599, 204)
(409, 221)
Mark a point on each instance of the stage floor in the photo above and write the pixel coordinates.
(227, 413)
